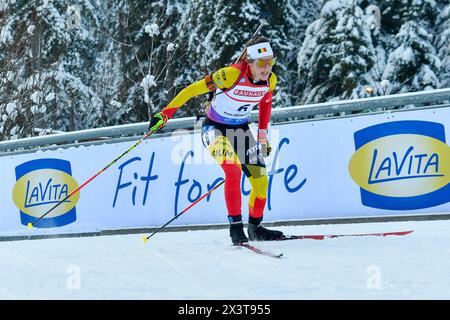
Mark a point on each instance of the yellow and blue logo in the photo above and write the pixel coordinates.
(402, 165)
(40, 185)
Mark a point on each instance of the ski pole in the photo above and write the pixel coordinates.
(145, 238)
(148, 134)
(263, 22)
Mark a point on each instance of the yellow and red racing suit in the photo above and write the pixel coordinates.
(226, 134)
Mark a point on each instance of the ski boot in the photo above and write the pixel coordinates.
(258, 233)
(237, 230)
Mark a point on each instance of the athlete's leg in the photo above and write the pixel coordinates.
(223, 153)
(258, 194)
(254, 168)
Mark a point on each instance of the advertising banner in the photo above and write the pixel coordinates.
(371, 165)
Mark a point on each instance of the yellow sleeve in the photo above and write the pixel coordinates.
(193, 90)
(272, 82)
(222, 78)
(226, 77)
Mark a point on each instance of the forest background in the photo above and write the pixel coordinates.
(71, 65)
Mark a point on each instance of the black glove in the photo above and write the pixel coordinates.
(158, 121)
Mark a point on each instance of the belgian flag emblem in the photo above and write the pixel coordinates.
(262, 50)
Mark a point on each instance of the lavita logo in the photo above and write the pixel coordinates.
(41, 184)
(402, 165)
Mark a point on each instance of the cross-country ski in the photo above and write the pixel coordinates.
(330, 236)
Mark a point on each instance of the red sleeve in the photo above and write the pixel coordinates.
(169, 112)
(265, 109)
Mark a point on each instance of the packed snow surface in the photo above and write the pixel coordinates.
(204, 265)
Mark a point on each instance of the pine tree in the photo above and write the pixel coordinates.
(88, 63)
(41, 46)
(149, 37)
(218, 31)
(381, 40)
(393, 12)
(413, 63)
(337, 54)
(77, 59)
(218, 44)
(296, 16)
(443, 45)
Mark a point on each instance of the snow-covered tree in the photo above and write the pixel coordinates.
(413, 64)
(219, 43)
(393, 14)
(218, 31)
(150, 37)
(87, 63)
(41, 43)
(296, 16)
(25, 91)
(443, 45)
(336, 55)
(381, 40)
(73, 72)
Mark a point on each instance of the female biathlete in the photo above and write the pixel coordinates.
(226, 133)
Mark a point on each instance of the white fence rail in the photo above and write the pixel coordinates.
(384, 103)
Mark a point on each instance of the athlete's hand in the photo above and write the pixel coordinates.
(264, 143)
(158, 121)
